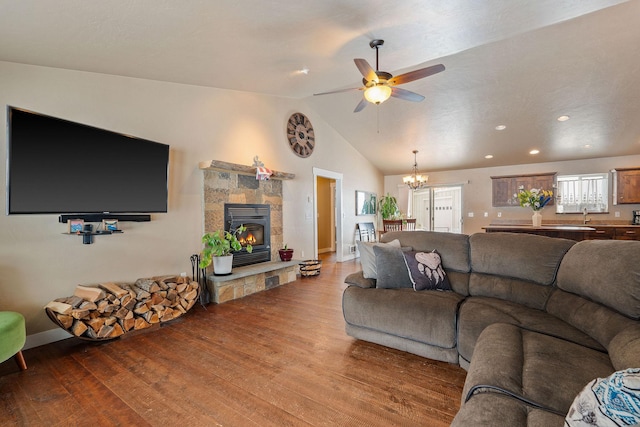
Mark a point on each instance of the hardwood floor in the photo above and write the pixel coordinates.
(276, 358)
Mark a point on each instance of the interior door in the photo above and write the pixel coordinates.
(438, 208)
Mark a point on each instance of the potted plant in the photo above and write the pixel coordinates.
(219, 247)
(388, 207)
(285, 253)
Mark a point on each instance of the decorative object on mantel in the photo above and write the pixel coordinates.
(536, 199)
(415, 181)
(262, 173)
(300, 135)
(219, 247)
(111, 310)
(285, 253)
(219, 165)
(310, 267)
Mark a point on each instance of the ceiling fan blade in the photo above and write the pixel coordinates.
(366, 70)
(407, 95)
(339, 90)
(417, 74)
(361, 105)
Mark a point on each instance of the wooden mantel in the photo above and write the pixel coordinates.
(240, 169)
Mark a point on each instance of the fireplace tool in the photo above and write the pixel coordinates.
(200, 275)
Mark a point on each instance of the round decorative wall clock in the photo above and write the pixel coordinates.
(300, 135)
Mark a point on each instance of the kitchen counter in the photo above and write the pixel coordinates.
(572, 231)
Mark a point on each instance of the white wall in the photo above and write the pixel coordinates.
(38, 263)
(476, 192)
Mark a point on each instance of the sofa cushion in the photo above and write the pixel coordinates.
(605, 271)
(532, 366)
(528, 294)
(498, 410)
(428, 317)
(476, 313)
(368, 258)
(624, 348)
(454, 248)
(425, 271)
(596, 320)
(538, 257)
(392, 270)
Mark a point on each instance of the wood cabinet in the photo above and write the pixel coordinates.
(504, 187)
(626, 186)
(627, 233)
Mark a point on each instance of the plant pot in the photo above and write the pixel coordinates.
(222, 264)
(536, 219)
(285, 254)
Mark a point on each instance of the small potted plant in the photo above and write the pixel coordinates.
(285, 253)
(219, 247)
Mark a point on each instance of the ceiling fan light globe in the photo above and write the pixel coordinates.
(377, 94)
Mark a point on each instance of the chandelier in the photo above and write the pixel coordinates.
(415, 180)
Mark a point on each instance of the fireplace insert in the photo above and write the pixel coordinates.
(257, 219)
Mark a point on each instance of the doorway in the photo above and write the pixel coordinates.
(438, 208)
(326, 218)
(327, 196)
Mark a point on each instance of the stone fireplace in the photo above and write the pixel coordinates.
(236, 184)
(233, 185)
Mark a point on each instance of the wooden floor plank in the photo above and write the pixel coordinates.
(276, 358)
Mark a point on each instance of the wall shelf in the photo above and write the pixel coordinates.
(87, 236)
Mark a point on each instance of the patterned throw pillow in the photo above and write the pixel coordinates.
(612, 401)
(426, 272)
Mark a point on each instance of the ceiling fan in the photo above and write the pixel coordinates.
(380, 85)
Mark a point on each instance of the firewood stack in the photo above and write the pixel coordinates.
(110, 310)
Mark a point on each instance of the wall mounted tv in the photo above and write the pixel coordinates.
(55, 166)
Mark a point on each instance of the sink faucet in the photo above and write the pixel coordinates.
(584, 214)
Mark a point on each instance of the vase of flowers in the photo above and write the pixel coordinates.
(535, 199)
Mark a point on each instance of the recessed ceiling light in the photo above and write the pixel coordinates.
(489, 156)
(301, 71)
(587, 146)
(501, 127)
(534, 151)
(563, 118)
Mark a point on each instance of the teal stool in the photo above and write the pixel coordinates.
(13, 335)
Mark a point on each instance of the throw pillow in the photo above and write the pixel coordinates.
(612, 401)
(392, 271)
(426, 272)
(368, 258)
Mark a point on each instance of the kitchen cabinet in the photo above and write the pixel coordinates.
(626, 186)
(504, 187)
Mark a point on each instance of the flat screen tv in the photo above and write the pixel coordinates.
(55, 166)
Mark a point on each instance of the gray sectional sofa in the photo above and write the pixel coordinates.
(532, 319)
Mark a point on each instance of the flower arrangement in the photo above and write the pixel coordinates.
(535, 198)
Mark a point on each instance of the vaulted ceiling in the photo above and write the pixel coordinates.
(517, 63)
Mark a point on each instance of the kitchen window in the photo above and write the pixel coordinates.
(580, 193)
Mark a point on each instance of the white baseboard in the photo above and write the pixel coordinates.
(46, 337)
